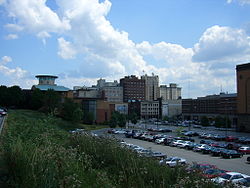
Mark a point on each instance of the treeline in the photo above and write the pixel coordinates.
(49, 102)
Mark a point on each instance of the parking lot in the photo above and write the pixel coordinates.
(235, 164)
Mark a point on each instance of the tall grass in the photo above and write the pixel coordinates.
(40, 154)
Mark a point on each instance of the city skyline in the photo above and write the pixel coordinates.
(192, 43)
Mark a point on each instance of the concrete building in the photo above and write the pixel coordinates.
(171, 108)
(152, 90)
(150, 109)
(224, 105)
(133, 88)
(243, 98)
(87, 93)
(170, 93)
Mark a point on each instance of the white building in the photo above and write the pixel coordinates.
(170, 93)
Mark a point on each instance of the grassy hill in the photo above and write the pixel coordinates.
(39, 152)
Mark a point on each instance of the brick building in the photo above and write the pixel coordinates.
(133, 88)
(243, 90)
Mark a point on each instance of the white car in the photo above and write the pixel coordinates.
(184, 144)
(233, 177)
(176, 143)
(173, 161)
(159, 140)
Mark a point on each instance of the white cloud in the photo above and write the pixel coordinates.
(5, 59)
(241, 2)
(83, 29)
(35, 16)
(218, 42)
(11, 37)
(66, 50)
(13, 27)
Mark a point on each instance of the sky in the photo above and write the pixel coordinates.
(196, 44)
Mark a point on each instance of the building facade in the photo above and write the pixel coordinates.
(224, 105)
(150, 109)
(173, 92)
(171, 108)
(152, 90)
(243, 98)
(133, 88)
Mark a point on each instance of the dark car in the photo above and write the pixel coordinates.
(231, 154)
(232, 146)
(231, 138)
(207, 150)
(248, 159)
(219, 137)
(191, 133)
(213, 173)
(167, 141)
(191, 145)
(206, 142)
(217, 151)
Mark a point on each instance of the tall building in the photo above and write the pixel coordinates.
(152, 90)
(170, 93)
(243, 98)
(133, 88)
(112, 91)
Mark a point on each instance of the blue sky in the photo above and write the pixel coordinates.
(196, 44)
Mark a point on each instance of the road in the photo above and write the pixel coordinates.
(1, 123)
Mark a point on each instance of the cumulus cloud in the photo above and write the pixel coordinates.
(5, 59)
(66, 50)
(34, 16)
(83, 29)
(221, 42)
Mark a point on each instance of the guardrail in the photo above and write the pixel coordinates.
(1, 124)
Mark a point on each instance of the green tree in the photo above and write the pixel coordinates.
(15, 96)
(51, 101)
(71, 111)
(219, 121)
(204, 121)
(3, 96)
(114, 119)
(133, 118)
(121, 120)
(37, 99)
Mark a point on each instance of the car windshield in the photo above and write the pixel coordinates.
(226, 176)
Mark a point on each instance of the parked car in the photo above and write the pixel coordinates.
(2, 112)
(244, 150)
(248, 159)
(231, 138)
(217, 151)
(184, 144)
(244, 183)
(157, 155)
(199, 147)
(218, 137)
(200, 167)
(213, 173)
(233, 177)
(175, 143)
(191, 133)
(168, 141)
(160, 140)
(190, 145)
(206, 150)
(173, 161)
(231, 154)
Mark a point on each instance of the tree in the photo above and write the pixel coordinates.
(121, 120)
(37, 99)
(204, 121)
(219, 121)
(3, 96)
(133, 118)
(114, 119)
(15, 96)
(51, 101)
(71, 111)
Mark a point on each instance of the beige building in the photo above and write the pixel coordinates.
(87, 93)
(171, 108)
(170, 93)
(112, 93)
(150, 109)
(152, 91)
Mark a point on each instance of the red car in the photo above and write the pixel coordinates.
(231, 139)
(244, 150)
(213, 173)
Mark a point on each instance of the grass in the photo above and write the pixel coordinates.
(39, 152)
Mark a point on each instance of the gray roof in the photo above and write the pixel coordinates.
(54, 87)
